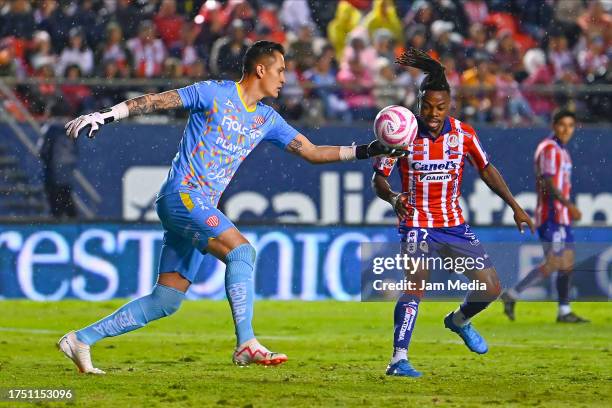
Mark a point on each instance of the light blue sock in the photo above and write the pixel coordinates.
(240, 289)
(162, 302)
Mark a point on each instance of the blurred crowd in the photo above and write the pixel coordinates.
(500, 55)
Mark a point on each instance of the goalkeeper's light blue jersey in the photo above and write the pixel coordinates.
(220, 134)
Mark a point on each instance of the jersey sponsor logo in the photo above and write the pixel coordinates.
(451, 152)
(222, 176)
(238, 293)
(434, 177)
(408, 322)
(230, 104)
(114, 326)
(235, 126)
(232, 147)
(212, 221)
(434, 165)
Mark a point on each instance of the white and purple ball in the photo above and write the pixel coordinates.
(395, 127)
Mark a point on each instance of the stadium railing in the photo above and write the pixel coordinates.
(593, 95)
(33, 146)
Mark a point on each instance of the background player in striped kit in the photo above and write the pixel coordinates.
(227, 121)
(430, 216)
(554, 215)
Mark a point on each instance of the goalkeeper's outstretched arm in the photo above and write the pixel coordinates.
(154, 102)
(132, 107)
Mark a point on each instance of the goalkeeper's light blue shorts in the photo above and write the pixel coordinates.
(189, 223)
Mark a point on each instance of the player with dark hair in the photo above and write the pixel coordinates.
(430, 219)
(227, 121)
(554, 215)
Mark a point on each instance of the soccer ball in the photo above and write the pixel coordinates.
(395, 127)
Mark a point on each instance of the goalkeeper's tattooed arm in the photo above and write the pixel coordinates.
(92, 122)
(314, 154)
(154, 102)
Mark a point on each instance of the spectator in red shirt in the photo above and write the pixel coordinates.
(41, 52)
(148, 51)
(540, 73)
(168, 23)
(78, 96)
(268, 21)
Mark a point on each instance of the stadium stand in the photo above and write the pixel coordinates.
(514, 61)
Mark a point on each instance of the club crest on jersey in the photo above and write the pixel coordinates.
(259, 120)
(452, 141)
(212, 221)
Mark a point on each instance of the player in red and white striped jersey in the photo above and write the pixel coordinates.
(554, 215)
(431, 219)
(433, 173)
(553, 168)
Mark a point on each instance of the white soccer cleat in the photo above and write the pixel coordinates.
(252, 352)
(78, 352)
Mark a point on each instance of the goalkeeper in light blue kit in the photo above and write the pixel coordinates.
(227, 121)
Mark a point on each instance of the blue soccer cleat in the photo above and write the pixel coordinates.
(472, 339)
(402, 369)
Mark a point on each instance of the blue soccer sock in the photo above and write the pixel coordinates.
(404, 319)
(162, 302)
(240, 290)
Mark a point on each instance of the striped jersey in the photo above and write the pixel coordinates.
(431, 174)
(552, 160)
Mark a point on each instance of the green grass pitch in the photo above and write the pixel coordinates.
(337, 357)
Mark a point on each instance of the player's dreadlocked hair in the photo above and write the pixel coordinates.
(435, 79)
